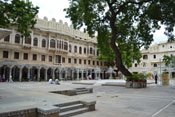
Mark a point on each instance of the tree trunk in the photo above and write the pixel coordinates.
(118, 59)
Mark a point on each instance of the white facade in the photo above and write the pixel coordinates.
(53, 50)
(152, 59)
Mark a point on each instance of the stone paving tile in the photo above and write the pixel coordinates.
(112, 101)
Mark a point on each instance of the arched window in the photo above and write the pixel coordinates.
(75, 49)
(145, 56)
(84, 50)
(52, 43)
(17, 38)
(91, 51)
(7, 38)
(155, 65)
(154, 56)
(65, 46)
(35, 41)
(28, 40)
(70, 48)
(80, 50)
(43, 43)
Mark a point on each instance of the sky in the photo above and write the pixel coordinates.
(54, 9)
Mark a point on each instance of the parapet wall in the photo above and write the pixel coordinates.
(62, 28)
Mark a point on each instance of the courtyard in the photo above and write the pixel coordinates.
(111, 101)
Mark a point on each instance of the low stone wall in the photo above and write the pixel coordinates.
(21, 113)
(136, 84)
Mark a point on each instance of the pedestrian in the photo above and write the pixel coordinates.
(10, 79)
(155, 78)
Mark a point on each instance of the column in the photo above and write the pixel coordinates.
(28, 74)
(60, 77)
(82, 78)
(110, 75)
(87, 74)
(46, 74)
(53, 73)
(65, 74)
(20, 74)
(10, 73)
(77, 74)
(95, 74)
(72, 74)
(38, 75)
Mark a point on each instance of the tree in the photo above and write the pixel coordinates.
(129, 23)
(18, 13)
(169, 60)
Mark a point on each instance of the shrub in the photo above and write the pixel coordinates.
(136, 77)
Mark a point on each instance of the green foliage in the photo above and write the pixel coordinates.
(136, 77)
(18, 13)
(130, 23)
(169, 60)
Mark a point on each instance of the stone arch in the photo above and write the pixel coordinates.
(25, 73)
(15, 73)
(17, 38)
(35, 41)
(42, 74)
(43, 45)
(52, 43)
(69, 74)
(34, 72)
(5, 72)
(49, 73)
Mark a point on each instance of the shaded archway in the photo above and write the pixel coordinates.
(34, 72)
(49, 73)
(42, 74)
(5, 72)
(24, 74)
(15, 73)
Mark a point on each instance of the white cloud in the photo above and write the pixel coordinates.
(54, 9)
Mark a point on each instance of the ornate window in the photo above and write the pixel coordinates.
(52, 43)
(65, 46)
(35, 41)
(91, 50)
(17, 38)
(5, 54)
(43, 43)
(84, 50)
(155, 65)
(75, 49)
(154, 56)
(145, 56)
(80, 50)
(28, 40)
(7, 38)
(16, 55)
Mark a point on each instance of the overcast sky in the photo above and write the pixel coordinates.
(54, 9)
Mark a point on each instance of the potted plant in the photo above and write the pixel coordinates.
(137, 80)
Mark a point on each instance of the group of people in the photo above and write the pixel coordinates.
(4, 79)
(54, 82)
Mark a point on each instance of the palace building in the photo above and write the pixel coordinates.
(152, 59)
(53, 50)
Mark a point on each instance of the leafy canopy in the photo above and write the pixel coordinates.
(130, 22)
(169, 60)
(18, 13)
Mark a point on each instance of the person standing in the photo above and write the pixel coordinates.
(155, 78)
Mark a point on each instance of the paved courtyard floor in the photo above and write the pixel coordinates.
(112, 101)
